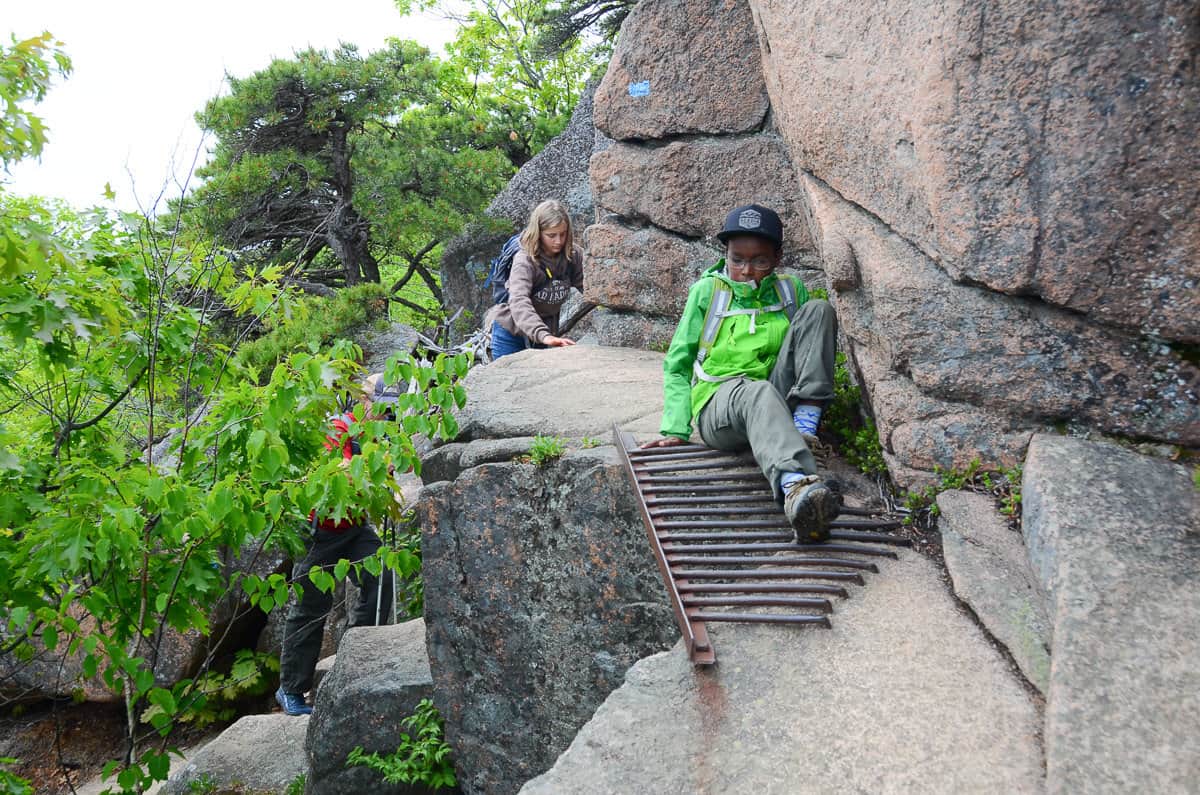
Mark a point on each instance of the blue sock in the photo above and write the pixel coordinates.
(788, 478)
(806, 419)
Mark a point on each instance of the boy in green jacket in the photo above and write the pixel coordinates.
(750, 375)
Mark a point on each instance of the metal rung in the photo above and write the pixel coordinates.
(763, 508)
(758, 601)
(652, 452)
(752, 475)
(763, 587)
(764, 499)
(763, 618)
(743, 536)
(773, 560)
(767, 574)
(732, 488)
(877, 538)
(687, 466)
(676, 547)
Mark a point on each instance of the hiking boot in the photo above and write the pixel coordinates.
(821, 451)
(810, 506)
(292, 703)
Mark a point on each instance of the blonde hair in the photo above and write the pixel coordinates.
(547, 214)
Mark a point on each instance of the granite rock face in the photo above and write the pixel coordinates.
(683, 67)
(540, 591)
(642, 270)
(687, 187)
(573, 393)
(1016, 365)
(1043, 149)
(902, 695)
(378, 678)
(1116, 545)
(259, 753)
(695, 142)
(990, 572)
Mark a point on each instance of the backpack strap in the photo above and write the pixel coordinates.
(786, 289)
(717, 306)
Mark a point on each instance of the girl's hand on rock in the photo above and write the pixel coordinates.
(666, 441)
(557, 342)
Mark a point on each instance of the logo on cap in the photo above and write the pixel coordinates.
(750, 219)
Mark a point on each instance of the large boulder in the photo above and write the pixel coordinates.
(683, 67)
(903, 695)
(259, 753)
(556, 392)
(687, 187)
(990, 572)
(1021, 362)
(1039, 148)
(540, 589)
(1114, 537)
(641, 270)
(378, 678)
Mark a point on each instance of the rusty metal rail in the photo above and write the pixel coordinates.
(723, 545)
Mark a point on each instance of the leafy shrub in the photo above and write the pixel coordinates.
(425, 759)
(212, 696)
(312, 324)
(10, 783)
(857, 436)
(1004, 485)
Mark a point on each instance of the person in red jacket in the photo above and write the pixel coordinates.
(351, 538)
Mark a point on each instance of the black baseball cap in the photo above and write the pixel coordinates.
(753, 219)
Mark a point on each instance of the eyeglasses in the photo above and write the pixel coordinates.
(757, 265)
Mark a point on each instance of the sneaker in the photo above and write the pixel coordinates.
(810, 506)
(292, 703)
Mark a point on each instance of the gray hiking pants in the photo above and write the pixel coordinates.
(305, 626)
(758, 414)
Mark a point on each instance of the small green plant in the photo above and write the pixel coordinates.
(588, 442)
(545, 449)
(423, 759)
(858, 438)
(1004, 485)
(204, 785)
(819, 292)
(296, 785)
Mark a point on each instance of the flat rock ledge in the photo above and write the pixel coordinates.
(990, 571)
(1114, 537)
(905, 694)
(259, 753)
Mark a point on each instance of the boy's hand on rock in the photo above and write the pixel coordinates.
(557, 342)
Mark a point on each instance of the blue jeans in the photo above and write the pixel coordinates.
(504, 342)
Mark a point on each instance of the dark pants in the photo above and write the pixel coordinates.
(306, 620)
(758, 414)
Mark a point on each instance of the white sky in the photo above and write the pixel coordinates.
(142, 68)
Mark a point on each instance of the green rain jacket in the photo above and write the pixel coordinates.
(735, 351)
